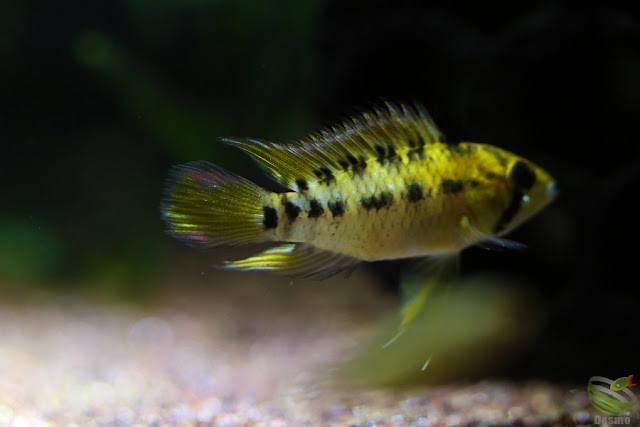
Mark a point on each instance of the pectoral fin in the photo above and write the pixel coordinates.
(487, 241)
(425, 278)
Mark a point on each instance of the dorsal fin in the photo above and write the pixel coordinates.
(380, 133)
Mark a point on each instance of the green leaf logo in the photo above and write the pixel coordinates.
(605, 398)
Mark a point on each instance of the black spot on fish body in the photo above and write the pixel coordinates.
(414, 193)
(460, 149)
(386, 155)
(328, 175)
(315, 210)
(336, 208)
(474, 183)
(351, 159)
(382, 154)
(270, 217)
(344, 164)
(292, 211)
(378, 202)
(451, 186)
(360, 166)
(302, 184)
(386, 199)
(318, 173)
(367, 202)
(417, 152)
(391, 153)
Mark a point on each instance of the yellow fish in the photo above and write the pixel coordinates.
(380, 185)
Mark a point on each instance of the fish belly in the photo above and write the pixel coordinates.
(403, 230)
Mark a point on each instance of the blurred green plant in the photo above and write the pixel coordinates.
(30, 251)
(464, 330)
(182, 72)
(184, 129)
(13, 17)
(246, 67)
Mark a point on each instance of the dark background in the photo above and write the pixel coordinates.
(99, 99)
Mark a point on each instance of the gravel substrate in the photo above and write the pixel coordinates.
(260, 352)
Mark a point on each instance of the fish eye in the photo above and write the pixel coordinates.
(522, 176)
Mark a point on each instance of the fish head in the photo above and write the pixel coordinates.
(533, 185)
(512, 191)
(529, 188)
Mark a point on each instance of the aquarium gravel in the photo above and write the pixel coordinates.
(257, 352)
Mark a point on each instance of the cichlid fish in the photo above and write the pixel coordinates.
(380, 185)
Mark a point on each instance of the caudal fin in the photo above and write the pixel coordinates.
(207, 206)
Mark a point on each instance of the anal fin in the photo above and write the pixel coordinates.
(297, 260)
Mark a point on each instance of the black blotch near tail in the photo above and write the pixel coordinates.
(292, 210)
(270, 217)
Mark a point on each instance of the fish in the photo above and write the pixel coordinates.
(381, 184)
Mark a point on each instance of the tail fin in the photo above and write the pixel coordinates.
(207, 206)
